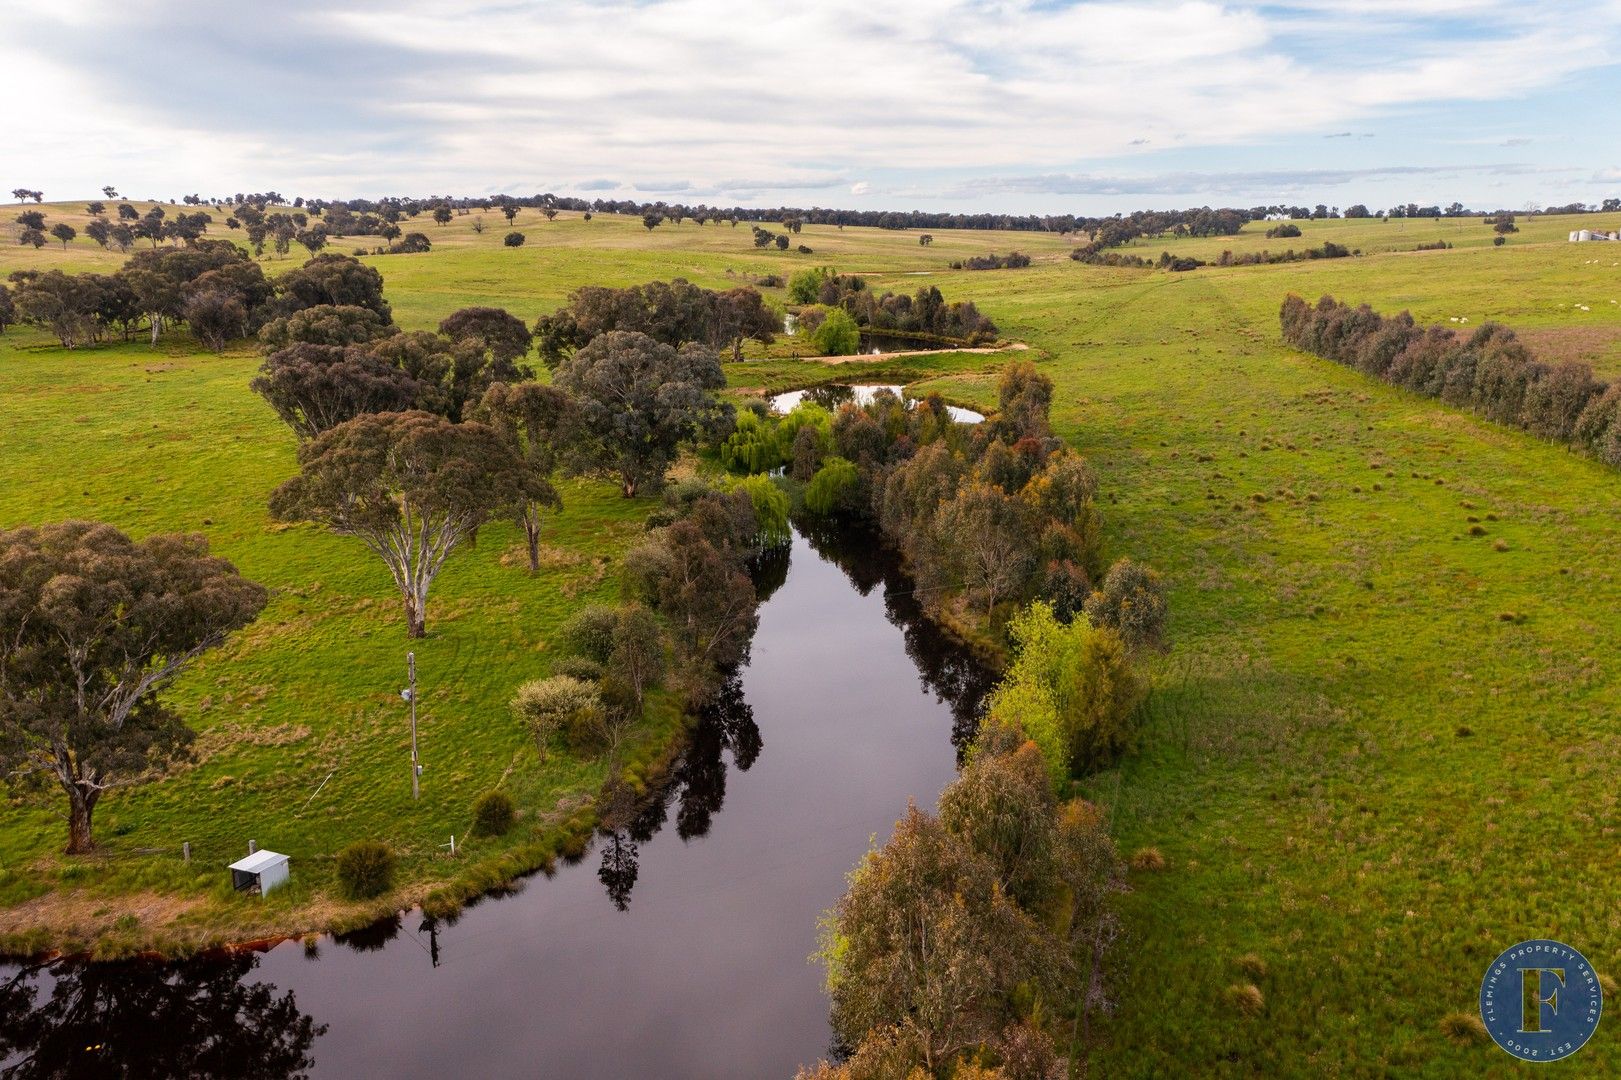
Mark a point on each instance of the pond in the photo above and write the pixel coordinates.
(875, 342)
(832, 395)
(676, 948)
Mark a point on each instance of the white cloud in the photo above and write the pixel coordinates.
(689, 96)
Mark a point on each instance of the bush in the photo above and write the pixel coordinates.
(493, 814)
(577, 667)
(514, 239)
(366, 869)
(564, 706)
(1245, 998)
(590, 632)
(1465, 1029)
(838, 335)
(1287, 229)
(1131, 601)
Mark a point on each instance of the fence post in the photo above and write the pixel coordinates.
(185, 852)
(252, 847)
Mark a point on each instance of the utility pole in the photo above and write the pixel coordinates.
(410, 695)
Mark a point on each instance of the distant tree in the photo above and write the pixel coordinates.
(739, 314)
(587, 215)
(478, 226)
(513, 239)
(411, 486)
(62, 303)
(636, 660)
(35, 237)
(99, 231)
(64, 232)
(313, 238)
(639, 401)
(325, 324)
(110, 191)
(782, 242)
(334, 279)
(8, 310)
(509, 211)
(31, 219)
(925, 240)
(126, 212)
(314, 388)
(95, 209)
(441, 215)
(551, 214)
(496, 330)
(123, 236)
(215, 317)
(652, 221)
(838, 335)
(534, 420)
(92, 626)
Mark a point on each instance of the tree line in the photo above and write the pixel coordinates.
(674, 313)
(1489, 371)
(924, 312)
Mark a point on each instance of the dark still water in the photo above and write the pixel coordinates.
(678, 947)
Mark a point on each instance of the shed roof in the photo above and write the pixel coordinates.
(258, 862)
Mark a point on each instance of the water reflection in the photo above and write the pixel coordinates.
(205, 1018)
(956, 677)
(831, 395)
(695, 949)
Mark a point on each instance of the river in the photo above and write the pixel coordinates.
(679, 946)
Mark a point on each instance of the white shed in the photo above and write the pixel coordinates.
(259, 872)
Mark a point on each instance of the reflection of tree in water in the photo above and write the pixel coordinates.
(370, 938)
(697, 787)
(829, 395)
(945, 667)
(133, 1019)
(619, 868)
(770, 571)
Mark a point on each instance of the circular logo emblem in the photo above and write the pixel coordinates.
(1541, 1000)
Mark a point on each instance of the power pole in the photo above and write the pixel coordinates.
(410, 695)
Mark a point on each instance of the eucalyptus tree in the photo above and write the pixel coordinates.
(92, 626)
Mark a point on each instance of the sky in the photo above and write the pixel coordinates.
(1019, 106)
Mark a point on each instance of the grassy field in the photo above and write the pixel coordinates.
(1380, 751)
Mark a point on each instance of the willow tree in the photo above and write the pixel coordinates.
(92, 626)
(411, 486)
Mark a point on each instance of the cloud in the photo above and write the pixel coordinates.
(1280, 181)
(384, 96)
(861, 187)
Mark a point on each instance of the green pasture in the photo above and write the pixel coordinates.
(1380, 749)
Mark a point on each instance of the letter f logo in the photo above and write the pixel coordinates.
(1532, 1000)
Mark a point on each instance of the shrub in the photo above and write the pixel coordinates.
(514, 239)
(493, 813)
(1287, 229)
(1086, 672)
(1245, 998)
(577, 667)
(562, 706)
(366, 869)
(1465, 1029)
(1130, 601)
(838, 335)
(590, 632)
(1148, 858)
(1253, 966)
